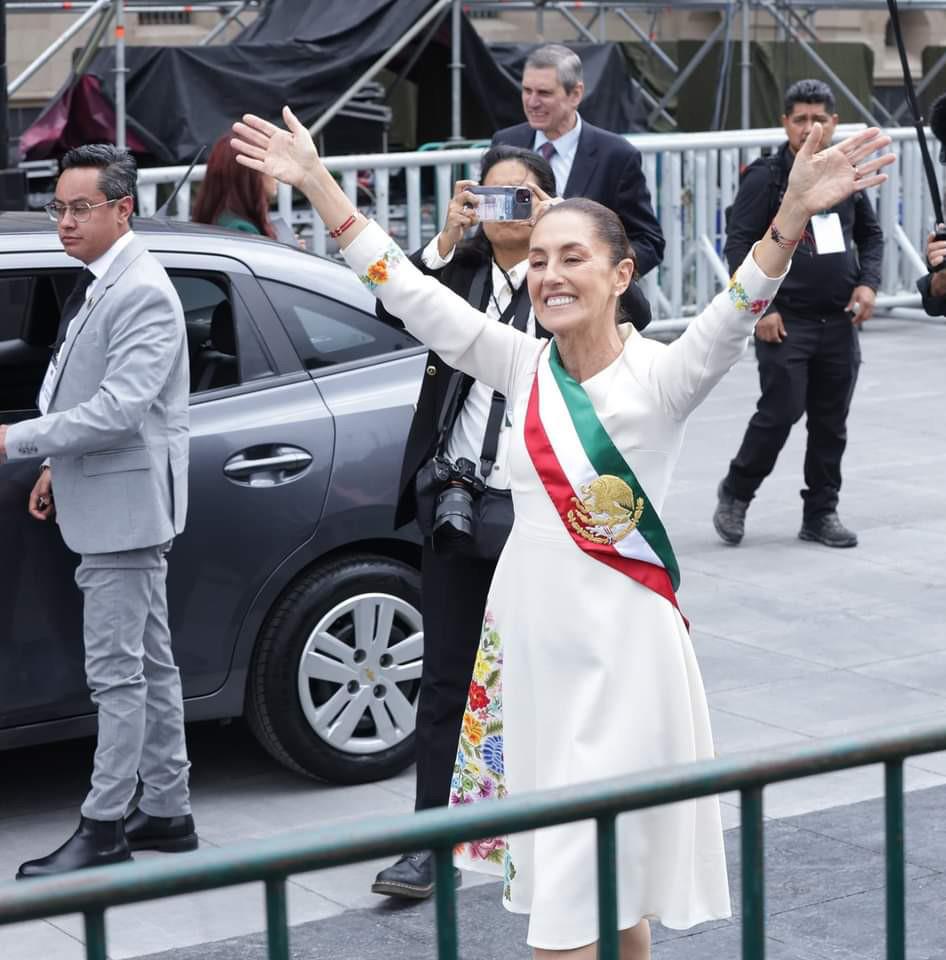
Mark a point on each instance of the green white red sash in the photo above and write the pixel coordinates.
(601, 502)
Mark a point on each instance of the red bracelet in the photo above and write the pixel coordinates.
(339, 230)
(781, 239)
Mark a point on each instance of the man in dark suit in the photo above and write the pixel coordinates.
(586, 160)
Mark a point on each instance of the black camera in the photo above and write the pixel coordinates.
(453, 513)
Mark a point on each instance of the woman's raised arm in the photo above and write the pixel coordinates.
(820, 179)
(491, 352)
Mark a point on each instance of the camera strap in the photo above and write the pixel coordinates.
(481, 289)
(517, 315)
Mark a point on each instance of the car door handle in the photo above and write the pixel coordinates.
(276, 465)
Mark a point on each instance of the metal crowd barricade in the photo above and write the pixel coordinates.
(273, 860)
(693, 178)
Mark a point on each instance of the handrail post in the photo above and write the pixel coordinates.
(753, 875)
(896, 884)
(607, 889)
(95, 935)
(277, 919)
(445, 890)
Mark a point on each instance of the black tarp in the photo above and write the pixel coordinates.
(307, 54)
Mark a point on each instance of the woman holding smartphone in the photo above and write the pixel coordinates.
(455, 422)
(586, 668)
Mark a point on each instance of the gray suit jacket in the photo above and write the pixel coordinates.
(116, 431)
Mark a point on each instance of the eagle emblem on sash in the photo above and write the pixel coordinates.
(607, 510)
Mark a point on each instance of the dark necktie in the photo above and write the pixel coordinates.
(547, 150)
(71, 307)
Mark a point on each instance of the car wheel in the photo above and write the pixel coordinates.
(335, 677)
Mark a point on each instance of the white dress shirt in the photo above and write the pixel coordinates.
(466, 437)
(566, 146)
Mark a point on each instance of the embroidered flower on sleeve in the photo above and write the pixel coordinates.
(379, 272)
(478, 698)
(472, 729)
(740, 299)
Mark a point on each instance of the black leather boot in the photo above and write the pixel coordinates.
(827, 529)
(412, 877)
(95, 844)
(729, 519)
(167, 834)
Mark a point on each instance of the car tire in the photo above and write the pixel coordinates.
(336, 672)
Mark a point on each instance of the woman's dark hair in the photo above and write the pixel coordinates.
(607, 225)
(229, 187)
(478, 249)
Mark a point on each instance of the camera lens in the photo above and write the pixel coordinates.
(523, 195)
(453, 518)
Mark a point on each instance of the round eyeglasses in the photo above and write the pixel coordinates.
(81, 211)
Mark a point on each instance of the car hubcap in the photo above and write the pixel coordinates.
(359, 673)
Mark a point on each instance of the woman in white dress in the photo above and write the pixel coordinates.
(585, 668)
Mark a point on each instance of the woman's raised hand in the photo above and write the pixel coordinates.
(541, 202)
(821, 179)
(288, 155)
(461, 215)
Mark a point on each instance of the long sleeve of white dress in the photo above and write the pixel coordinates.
(679, 375)
(492, 353)
(684, 373)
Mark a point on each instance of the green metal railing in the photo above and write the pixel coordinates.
(271, 861)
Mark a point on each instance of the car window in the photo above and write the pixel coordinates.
(29, 320)
(223, 346)
(326, 332)
(15, 297)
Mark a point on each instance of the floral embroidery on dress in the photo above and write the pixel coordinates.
(479, 771)
(378, 272)
(740, 299)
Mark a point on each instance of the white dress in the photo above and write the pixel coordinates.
(582, 672)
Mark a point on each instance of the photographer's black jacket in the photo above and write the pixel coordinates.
(457, 276)
(816, 284)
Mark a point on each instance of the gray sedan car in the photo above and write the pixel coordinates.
(293, 600)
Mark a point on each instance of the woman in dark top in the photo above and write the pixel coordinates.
(455, 586)
(233, 196)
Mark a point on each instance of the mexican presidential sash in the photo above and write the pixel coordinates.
(594, 490)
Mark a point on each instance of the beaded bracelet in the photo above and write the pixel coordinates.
(781, 239)
(339, 230)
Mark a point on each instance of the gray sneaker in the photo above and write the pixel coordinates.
(730, 517)
(829, 530)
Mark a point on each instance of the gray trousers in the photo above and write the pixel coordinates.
(135, 684)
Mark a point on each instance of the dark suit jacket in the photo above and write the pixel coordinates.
(607, 169)
(434, 390)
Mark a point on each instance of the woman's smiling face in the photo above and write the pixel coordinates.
(571, 276)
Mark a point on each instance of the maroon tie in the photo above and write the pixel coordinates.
(547, 150)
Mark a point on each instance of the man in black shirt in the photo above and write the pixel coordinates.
(807, 342)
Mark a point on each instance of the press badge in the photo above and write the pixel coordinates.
(829, 237)
(46, 390)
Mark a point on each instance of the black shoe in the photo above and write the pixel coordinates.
(95, 844)
(829, 530)
(167, 834)
(730, 516)
(412, 876)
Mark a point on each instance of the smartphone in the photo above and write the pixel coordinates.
(503, 203)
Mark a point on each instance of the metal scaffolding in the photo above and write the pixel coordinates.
(796, 19)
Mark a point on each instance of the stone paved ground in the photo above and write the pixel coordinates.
(796, 642)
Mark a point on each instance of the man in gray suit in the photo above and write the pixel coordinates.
(114, 432)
